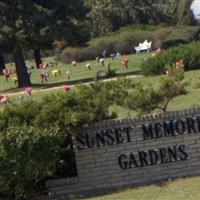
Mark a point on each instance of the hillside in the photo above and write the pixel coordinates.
(127, 38)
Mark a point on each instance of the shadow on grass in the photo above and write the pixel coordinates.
(14, 89)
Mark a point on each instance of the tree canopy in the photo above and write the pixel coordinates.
(28, 22)
(109, 15)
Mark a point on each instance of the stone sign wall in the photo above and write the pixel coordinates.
(122, 153)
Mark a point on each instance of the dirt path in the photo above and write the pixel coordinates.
(60, 87)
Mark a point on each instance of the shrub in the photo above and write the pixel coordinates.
(27, 155)
(181, 35)
(33, 136)
(157, 65)
(19, 114)
(144, 99)
(170, 87)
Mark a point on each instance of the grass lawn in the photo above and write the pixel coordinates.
(79, 72)
(181, 189)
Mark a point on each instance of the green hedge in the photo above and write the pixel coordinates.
(181, 35)
(157, 65)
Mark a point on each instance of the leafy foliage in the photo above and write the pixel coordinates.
(145, 99)
(177, 12)
(27, 154)
(170, 87)
(107, 16)
(35, 150)
(189, 53)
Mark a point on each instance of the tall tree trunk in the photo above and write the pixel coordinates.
(23, 77)
(2, 63)
(37, 57)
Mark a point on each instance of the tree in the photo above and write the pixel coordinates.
(144, 99)
(177, 12)
(58, 21)
(109, 15)
(14, 28)
(22, 21)
(37, 45)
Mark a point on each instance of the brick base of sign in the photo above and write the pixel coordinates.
(117, 154)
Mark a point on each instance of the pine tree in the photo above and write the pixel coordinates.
(25, 21)
(63, 21)
(15, 25)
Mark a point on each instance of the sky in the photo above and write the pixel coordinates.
(196, 7)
